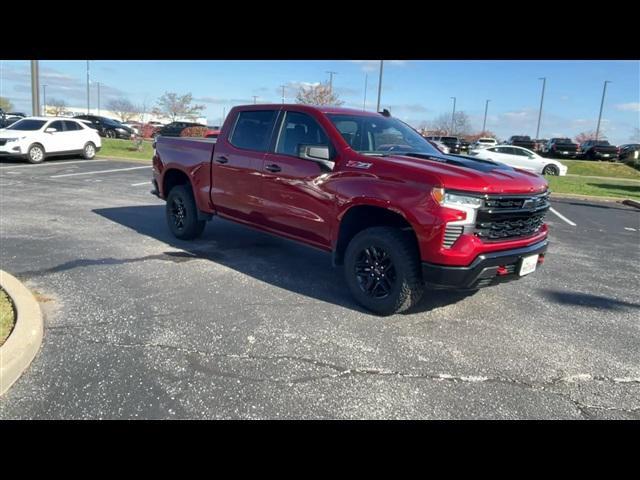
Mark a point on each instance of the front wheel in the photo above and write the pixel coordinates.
(551, 170)
(182, 213)
(35, 154)
(382, 270)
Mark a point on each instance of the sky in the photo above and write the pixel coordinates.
(415, 91)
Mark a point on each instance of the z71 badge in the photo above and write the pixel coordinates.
(356, 164)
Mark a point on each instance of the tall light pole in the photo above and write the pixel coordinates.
(255, 97)
(88, 87)
(35, 88)
(379, 86)
(604, 90)
(544, 82)
(283, 86)
(224, 114)
(486, 108)
(98, 98)
(331, 74)
(453, 114)
(44, 100)
(364, 103)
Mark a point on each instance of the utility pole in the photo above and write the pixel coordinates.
(88, 87)
(331, 74)
(224, 114)
(453, 114)
(35, 88)
(379, 86)
(364, 103)
(604, 90)
(98, 98)
(484, 123)
(544, 82)
(255, 99)
(44, 100)
(283, 86)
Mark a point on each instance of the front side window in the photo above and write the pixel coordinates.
(27, 125)
(377, 135)
(299, 129)
(253, 130)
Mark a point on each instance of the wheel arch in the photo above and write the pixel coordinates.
(359, 217)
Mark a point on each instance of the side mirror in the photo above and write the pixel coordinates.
(51, 130)
(316, 153)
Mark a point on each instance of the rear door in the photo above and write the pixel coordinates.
(292, 202)
(74, 137)
(237, 165)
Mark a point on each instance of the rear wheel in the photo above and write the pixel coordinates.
(35, 154)
(182, 213)
(551, 170)
(382, 269)
(110, 134)
(89, 151)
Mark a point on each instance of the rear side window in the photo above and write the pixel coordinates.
(71, 126)
(253, 130)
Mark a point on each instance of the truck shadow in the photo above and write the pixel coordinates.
(270, 259)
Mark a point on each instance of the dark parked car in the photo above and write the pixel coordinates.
(464, 145)
(107, 127)
(9, 118)
(561, 147)
(173, 129)
(598, 150)
(629, 151)
(523, 141)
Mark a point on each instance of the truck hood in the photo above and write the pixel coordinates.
(456, 172)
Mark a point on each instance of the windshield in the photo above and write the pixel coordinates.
(27, 125)
(371, 135)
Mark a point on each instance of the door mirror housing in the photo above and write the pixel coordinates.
(316, 153)
(51, 130)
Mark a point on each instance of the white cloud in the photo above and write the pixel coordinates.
(374, 65)
(631, 107)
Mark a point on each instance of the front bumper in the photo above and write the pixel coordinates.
(483, 271)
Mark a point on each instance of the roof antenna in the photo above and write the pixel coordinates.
(385, 113)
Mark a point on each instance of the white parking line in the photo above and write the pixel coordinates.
(98, 171)
(142, 183)
(563, 217)
(50, 164)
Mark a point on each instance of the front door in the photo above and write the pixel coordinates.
(293, 201)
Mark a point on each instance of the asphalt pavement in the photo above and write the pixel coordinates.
(241, 324)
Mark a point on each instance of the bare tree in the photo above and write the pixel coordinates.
(123, 108)
(5, 104)
(473, 137)
(584, 136)
(320, 94)
(173, 106)
(442, 124)
(56, 107)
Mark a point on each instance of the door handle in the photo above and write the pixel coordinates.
(273, 168)
(222, 159)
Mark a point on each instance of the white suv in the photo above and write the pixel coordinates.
(35, 138)
(483, 142)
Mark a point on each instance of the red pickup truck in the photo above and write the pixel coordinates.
(395, 212)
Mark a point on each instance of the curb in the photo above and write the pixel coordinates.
(587, 197)
(631, 203)
(17, 353)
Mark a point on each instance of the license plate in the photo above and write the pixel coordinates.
(528, 265)
(565, 153)
(605, 155)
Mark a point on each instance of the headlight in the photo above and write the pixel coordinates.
(464, 203)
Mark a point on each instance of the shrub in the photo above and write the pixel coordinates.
(147, 130)
(194, 132)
